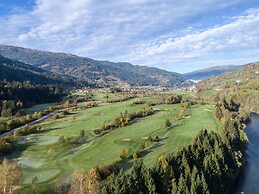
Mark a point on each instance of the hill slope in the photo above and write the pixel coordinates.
(100, 72)
(210, 72)
(242, 85)
(11, 70)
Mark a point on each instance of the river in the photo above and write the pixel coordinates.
(248, 180)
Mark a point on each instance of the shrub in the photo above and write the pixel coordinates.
(123, 154)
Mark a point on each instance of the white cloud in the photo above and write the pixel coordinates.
(150, 32)
(230, 40)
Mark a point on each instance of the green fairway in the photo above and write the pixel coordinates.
(39, 156)
(182, 133)
(103, 96)
(38, 108)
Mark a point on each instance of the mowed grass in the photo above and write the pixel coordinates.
(38, 108)
(177, 92)
(103, 96)
(38, 160)
(88, 119)
(182, 132)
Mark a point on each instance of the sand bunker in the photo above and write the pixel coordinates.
(126, 139)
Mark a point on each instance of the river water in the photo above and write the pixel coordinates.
(248, 180)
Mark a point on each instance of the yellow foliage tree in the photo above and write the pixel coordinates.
(85, 182)
(10, 177)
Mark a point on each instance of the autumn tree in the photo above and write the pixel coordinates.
(123, 154)
(10, 177)
(85, 182)
(34, 185)
(168, 123)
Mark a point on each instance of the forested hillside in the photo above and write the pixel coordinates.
(14, 96)
(210, 72)
(103, 73)
(11, 70)
(242, 85)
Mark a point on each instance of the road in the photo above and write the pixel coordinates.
(35, 122)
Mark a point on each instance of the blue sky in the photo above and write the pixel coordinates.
(176, 35)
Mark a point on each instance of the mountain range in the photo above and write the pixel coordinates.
(210, 72)
(101, 73)
(11, 70)
(21, 64)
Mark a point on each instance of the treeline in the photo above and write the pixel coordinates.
(76, 98)
(229, 109)
(124, 120)
(161, 99)
(166, 99)
(12, 123)
(18, 95)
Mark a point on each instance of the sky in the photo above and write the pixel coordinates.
(175, 35)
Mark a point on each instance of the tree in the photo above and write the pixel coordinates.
(135, 156)
(140, 180)
(34, 184)
(10, 177)
(85, 182)
(5, 146)
(163, 175)
(218, 112)
(77, 183)
(182, 186)
(28, 117)
(4, 113)
(82, 133)
(123, 154)
(168, 123)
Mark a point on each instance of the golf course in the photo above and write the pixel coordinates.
(43, 155)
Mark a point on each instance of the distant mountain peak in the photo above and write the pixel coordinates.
(210, 72)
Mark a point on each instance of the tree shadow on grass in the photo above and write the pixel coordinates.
(161, 139)
(71, 113)
(152, 148)
(47, 130)
(128, 162)
(17, 151)
(174, 126)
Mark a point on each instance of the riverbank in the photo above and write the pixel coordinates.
(247, 181)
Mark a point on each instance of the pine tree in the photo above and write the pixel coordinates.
(182, 186)
(205, 188)
(140, 180)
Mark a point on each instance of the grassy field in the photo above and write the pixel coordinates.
(38, 158)
(38, 108)
(177, 92)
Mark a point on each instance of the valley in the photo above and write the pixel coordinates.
(42, 155)
(129, 97)
(162, 133)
